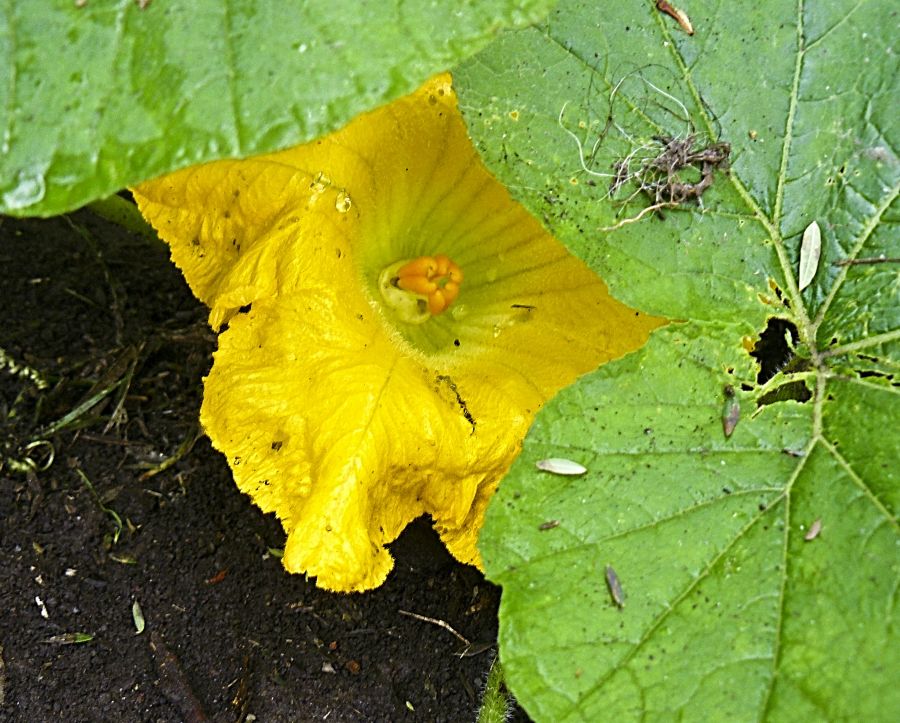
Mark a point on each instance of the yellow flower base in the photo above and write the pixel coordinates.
(406, 320)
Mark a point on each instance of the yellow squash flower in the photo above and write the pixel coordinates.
(394, 321)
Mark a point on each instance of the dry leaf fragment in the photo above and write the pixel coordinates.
(615, 587)
(680, 15)
(731, 414)
(814, 529)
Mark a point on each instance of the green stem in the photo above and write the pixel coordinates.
(119, 211)
(494, 703)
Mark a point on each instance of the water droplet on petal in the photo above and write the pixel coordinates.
(342, 202)
(318, 186)
(319, 183)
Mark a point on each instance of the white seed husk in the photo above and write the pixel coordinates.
(557, 465)
(810, 250)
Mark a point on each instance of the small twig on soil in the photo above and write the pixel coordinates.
(435, 621)
(242, 697)
(475, 649)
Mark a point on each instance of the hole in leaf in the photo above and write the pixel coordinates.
(772, 350)
(781, 297)
(776, 289)
(864, 374)
(796, 391)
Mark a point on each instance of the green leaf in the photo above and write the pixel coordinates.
(729, 612)
(99, 95)
(70, 638)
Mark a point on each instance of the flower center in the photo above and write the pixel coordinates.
(421, 288)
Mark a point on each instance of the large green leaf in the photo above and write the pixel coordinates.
(730, 613)
(97, 95)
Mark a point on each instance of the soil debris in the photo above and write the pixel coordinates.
(249, 645)
(660, 176)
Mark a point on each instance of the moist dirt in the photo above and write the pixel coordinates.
(114, 508)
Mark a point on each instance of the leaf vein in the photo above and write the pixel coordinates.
(859, 482)
(661, 618)
(858, 244)
(828, 31)
(869, 385)
(785, 561)
(793, 290)
(869, 341)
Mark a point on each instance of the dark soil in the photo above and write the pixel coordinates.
(102, 314)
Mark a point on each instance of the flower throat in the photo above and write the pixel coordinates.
(420, 288)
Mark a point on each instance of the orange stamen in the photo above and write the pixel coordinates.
(422, 266)
(417, 284)
(437, 278)
(436, 303)
(443, 264)
(451, 291)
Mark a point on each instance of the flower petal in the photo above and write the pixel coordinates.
(346, 438)
(337, 412)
